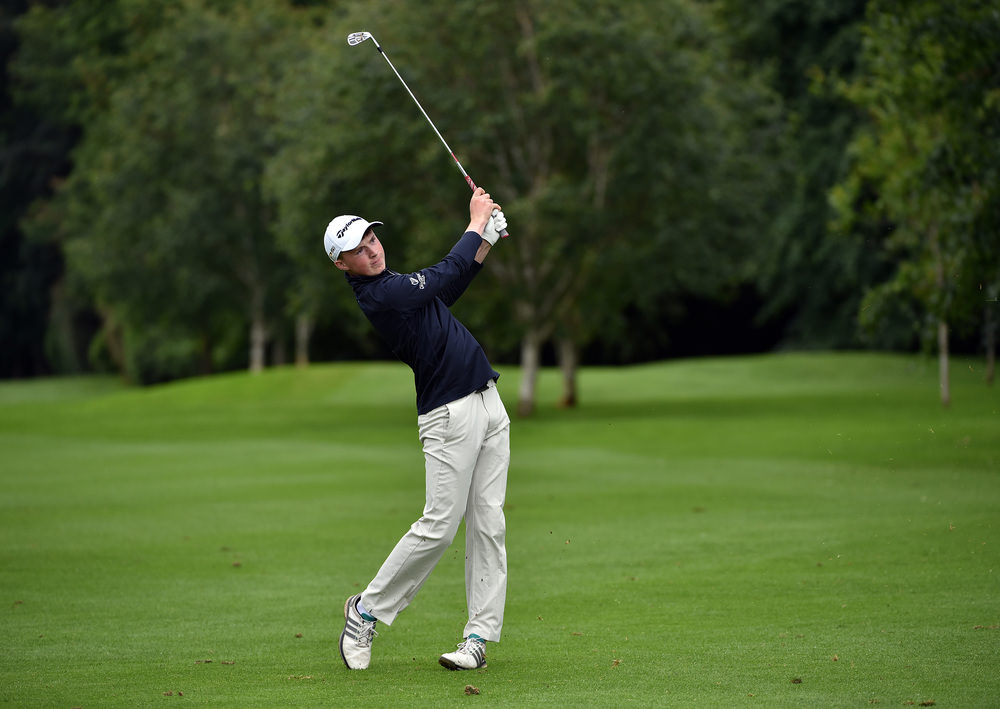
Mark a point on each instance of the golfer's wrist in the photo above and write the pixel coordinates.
(482, 251)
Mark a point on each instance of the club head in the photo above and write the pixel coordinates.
(355, 38)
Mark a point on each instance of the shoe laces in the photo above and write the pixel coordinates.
(470, 644)
(366, 632)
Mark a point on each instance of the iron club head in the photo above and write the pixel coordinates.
(355, 38)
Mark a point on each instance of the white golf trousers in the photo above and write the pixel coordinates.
(467, 452)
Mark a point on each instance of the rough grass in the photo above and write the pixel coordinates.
(789, 530)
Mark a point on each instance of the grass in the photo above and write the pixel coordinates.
(786, 530)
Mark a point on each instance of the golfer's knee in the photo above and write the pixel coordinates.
(438, 529)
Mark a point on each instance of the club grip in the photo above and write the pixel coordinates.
(503, 234)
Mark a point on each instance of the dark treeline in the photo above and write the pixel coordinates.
(682, 178)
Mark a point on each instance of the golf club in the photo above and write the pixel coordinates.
(356, 38)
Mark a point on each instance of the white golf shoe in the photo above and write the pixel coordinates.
(356, 640)
(471, 655)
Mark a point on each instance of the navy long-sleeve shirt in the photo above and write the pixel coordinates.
(410, 312)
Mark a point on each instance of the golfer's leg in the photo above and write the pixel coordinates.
(447, 477)
(485, 527)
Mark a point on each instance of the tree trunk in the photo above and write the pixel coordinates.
(941, 282)
(279, 353)
(258, 334)
(113, 338)
(943, 368)
(258, 341)
(61, 344)
(530, 355)
(205, 356)
(303, 331)
(990, 335)
(568, 366)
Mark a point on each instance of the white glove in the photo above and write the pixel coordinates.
(496, 224)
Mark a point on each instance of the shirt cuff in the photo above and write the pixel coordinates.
(468, 245)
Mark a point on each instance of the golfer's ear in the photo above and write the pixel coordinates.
(341, 265)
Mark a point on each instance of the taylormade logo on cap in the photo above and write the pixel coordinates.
(344, 233)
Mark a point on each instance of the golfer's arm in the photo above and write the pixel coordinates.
(484, 248)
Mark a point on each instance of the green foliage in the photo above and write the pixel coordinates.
(163, 216)
(701, 532)
(35, 146)
(648, 155)
(631, 159)
(927, 159)
(810, 280)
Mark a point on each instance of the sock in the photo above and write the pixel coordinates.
(363, 611)
(473, 636)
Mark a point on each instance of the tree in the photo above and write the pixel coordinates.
(612, 135)
(163, 215)
(45, 317)
(655, 182)
(927, 160)
(811, 281)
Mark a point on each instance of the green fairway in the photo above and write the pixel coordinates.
(783, 530)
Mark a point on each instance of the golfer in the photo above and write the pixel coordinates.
(463, 427)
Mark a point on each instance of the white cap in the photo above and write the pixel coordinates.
(344, 233)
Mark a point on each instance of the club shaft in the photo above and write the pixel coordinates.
(429, 121)
(436, 131)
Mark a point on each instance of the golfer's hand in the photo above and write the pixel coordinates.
(480, 208)
(494, 225)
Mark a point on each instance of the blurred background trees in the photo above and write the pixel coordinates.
(926, 165)
(681, 178)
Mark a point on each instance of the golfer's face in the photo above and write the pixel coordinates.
(368, 259)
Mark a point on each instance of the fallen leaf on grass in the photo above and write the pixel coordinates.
(229, 662)
(796, 680)
(928, 703)
(615, 663)
(986, 627)
(170, 694)
(835, 658)
(300, 677)
(202, 662)
(577, 634)
(298, 635)
(470, 690)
